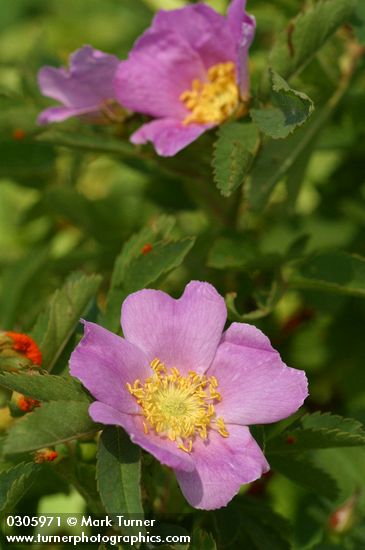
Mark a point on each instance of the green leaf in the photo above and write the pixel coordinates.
(119, 474)
(14, 482)
(329, 421)
(291, 109)
(346, 465)
(134, 269)
(148, 268)
(318, 431)
(247, 523)
(233, 155)
(55, 326)
(49, 425)
(332, 271)
(201, 540)
(160, 229)
(277, 157)
(45, 387)
(307, 33)
(305, 473)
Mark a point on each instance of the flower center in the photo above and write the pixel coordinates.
(179, 407)
(213, 101)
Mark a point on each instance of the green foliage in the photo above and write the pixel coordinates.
(307, 33)
(16, 281)
(278, 158)
(119, 474)
(291, 109)
(87, 142)
(45, 387)
(137, 268)
(201, 540)
(228, 253)
(52, 423)
(27, 162)
(14, 482)
(233, 155)
(318, 432)
(56, 324)
(360, 22)
(303, 472)
(332, 271)
(248, 523)
(269, 209)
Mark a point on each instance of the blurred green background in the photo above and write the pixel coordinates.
(66, 208)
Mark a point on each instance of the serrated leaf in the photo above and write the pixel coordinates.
(119, 474)
(318, 432)
(49, 425)
(334, 271)
(291, 109)
(233, 154)
(56, 324)
(135, 269)
(277, 157)
(164, 257)
(305, 473)
(45, 387)
(328, 420)
(307, 33)
(14, 483)
(160, 229)
(132, 249)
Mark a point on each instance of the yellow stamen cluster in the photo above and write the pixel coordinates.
(215, 100)
(178, 407)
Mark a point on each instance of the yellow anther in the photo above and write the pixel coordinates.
(177, 406)
(215, 100)
(222, 430)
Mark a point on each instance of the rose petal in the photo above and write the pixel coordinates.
(104, 363)
(182, 333)
(161, 448)
(160, 67)
(210, 34)
(87, 83)
(222, 465)
(247, 36)
(248, 336)
(58, 114)
(255, 385)
(168, 135)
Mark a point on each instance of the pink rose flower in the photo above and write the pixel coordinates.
(186, 391)
(188, 71)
